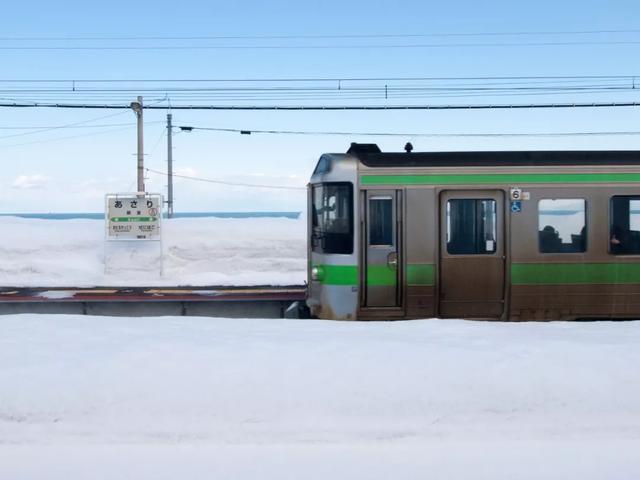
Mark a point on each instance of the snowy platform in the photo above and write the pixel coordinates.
(259, 301)
(196, 252)
(180, 397)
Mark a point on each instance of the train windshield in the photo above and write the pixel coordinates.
(332, 218)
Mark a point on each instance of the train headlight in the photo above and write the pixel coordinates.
(317, 273)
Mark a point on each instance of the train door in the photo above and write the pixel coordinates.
(472, 254)
(381, 234)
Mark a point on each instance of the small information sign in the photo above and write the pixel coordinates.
(516, 206)
(132, 216)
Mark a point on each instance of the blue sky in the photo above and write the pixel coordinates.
(74, 174)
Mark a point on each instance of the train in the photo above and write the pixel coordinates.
(491, 235)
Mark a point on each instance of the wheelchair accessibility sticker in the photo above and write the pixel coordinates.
(516, 206)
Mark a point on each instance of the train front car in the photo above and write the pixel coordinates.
(504, 235)
(333, 244)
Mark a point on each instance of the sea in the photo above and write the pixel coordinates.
(100, 216)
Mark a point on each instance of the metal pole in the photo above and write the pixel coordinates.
(140, 146)
(169, 168)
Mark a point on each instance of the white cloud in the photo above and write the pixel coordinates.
(24, 182)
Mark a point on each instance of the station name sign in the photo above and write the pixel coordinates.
(132, 216)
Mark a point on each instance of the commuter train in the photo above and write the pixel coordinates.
(518, 235)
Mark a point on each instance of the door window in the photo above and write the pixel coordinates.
(380, 221)
(471, 226)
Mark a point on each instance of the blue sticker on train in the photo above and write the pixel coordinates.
(516, 206)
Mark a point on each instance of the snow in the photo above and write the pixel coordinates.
(196, 252)
(56, 294)
(181, 397)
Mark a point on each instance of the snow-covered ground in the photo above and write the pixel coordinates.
(196, 251)
(201, 398)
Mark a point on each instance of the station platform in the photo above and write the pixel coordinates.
(262, 301)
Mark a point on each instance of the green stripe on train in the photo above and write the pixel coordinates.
(521, 274)
(421, 274)
(377, 275)
(499, 178)
(381, 276)
(337, 274)
(574, 273)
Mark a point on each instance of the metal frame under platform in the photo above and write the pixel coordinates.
(263, 301)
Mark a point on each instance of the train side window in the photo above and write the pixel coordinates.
(562, 225)
(380, 221)
(471, 226)
(624, 227)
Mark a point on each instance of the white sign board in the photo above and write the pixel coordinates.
(132, 216)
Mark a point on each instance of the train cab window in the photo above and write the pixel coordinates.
(624, 228)
(471, 226)
(562, 225)
(323, 166)
(380, 221)
(332, 218)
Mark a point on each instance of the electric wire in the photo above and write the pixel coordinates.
(324, 89)
(317, 36)
(68, 125)
(287, 108)
(49, 127)
(314, 91)
(320, 79)
(413, 134)
(224, 182)
(157, 142)
(321, 47)
(59, 139)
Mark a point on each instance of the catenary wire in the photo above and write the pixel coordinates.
(321, 47)
(478, 106)
(319, 79)
(319, 36)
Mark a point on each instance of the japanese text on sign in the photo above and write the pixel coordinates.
(133, 216)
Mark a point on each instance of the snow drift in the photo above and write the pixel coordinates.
(196, 396)
(202, 251)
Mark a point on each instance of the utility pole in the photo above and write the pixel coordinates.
(169, 167)
(137, 107)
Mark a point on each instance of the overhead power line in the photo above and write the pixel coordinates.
(322, 47)
(318, 79)
(54, 127)
(413, 134)
(68, 125)
(309, 90)
(224, 182)
(318, 36)
(331, 89)
(59, 139)
(479, 106)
